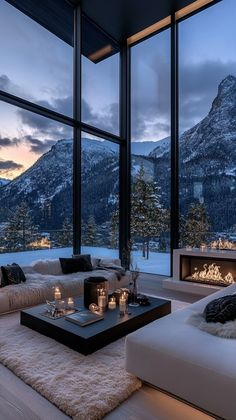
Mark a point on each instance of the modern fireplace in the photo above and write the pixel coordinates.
(207, 270)
(201, 271)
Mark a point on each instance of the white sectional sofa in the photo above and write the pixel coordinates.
(43, 275)
(183, 360)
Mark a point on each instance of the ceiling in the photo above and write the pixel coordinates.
(119, 18)
(123, 18)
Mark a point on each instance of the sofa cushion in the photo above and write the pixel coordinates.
(12, 274)
(74, 265)
(221, 310)
(52, 267)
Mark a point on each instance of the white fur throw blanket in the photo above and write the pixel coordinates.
(227, 330)
(39, 287)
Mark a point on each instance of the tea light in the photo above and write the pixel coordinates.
(112, 303)
(70, 302)
(122, 304)
(57, 293)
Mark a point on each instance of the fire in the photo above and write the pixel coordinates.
(223, 244)
(212, 273)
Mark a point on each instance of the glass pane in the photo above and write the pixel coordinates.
(35, 64)
(36, 186)
(208, 130)
(100, 197)
(100, 80)
(150, 111)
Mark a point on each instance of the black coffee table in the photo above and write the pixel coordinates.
(92, 337)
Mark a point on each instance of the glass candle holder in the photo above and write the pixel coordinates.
(57, 294)
(122, 305)
(112, 303)
(102, 299)
(70, 303)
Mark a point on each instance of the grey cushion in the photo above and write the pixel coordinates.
(74, 265)
(12, 274)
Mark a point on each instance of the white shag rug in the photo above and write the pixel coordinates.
(83, 387)
(227, 330)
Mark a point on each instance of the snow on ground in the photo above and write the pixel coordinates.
(25, 258)
(158, 262)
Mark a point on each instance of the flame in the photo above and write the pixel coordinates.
(223, 244)
(212, 273)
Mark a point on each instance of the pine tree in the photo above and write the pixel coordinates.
(65, 237)
(114, 230)
(194, 229)
(148, 218)
(90, 234)
(21, 230)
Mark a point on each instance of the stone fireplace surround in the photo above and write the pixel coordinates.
(183, 258)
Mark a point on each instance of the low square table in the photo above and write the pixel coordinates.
(94, 336)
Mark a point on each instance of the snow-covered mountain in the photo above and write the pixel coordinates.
(47, 185)
(4, 181)
(144, 148)
(207, 160)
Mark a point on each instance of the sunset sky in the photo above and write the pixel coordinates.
(37, 65)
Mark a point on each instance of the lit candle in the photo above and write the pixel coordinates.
(203, 248)
(122, 304)
(57, 293)
(112, 303)
(70, 302)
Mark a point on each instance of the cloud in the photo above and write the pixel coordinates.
(7, 142)
(198, 85)
(198, 88)
(107, 119)
(38, 146)
(5, 82)
(9, 165)
(43, 126)
(8, 85)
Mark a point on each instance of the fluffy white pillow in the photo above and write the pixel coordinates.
(110, 261)
(52, 267)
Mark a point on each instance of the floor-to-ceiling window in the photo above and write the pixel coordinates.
(150, 149)
(36, 151)
(36, 66)
(207, 152)
(100, 196)
(100, 150)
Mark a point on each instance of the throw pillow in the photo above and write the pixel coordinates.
(221, 310)
(12, 274)
(74, 265)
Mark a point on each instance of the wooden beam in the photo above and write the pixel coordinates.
(193, 7)
(149, 30)
(198, 4)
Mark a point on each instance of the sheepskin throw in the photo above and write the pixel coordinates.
(226, 330)
(83, 387)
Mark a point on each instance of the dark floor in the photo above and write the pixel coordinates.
(151, 284)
